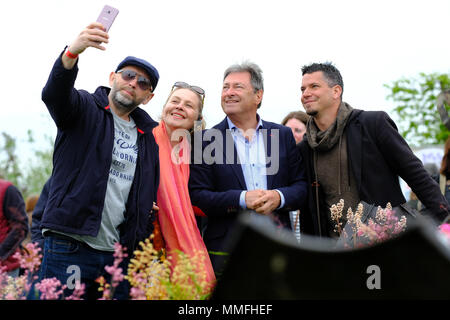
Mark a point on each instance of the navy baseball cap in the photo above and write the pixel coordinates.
(146, 66)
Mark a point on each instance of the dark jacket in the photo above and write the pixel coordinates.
(377, 156)
(216, 187)
(82, 160)
(13, 224)
(36, 218)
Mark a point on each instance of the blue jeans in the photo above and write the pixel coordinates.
(64, 256)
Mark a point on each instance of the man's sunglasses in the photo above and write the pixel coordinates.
(130, 75)
(196, 89)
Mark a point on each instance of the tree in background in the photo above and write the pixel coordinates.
(418, 118)
(31, 176)
(9, 166)
(40, 167)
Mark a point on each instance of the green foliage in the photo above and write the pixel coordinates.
(31, 177)
(416, 111)
(9, 166)
(38, 172)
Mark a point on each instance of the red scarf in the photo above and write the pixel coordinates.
(176, 216)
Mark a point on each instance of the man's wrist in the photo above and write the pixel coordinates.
(242, 202)
(70, 54)
(67, 59)
(282, 200)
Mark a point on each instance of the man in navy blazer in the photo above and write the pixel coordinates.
(245, 165)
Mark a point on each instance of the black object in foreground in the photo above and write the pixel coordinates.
(268, 263)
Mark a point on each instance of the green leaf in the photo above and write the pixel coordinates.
(415, 107)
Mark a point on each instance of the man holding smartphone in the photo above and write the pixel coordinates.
(106, 168)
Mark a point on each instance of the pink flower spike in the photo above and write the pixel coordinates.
(137, 294)
(77, 293)
(48, 289)
(30, 259)
(445, 229)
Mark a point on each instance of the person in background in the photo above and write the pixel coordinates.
(181, 112)
(444, 172)
(30, 204)
(296, 120)
(13, 226)
(36, 216)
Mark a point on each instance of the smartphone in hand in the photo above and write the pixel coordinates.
(107, 16)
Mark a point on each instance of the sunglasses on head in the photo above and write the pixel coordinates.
(196, 89)
(130, 75)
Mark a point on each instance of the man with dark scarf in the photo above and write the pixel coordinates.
(354, 155)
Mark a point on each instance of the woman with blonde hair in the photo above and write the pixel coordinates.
(181, 113)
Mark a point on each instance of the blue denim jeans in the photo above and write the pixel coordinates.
(64, 256)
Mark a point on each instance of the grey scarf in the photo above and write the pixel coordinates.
(325, 140)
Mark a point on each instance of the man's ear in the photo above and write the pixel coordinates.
(112, 77)
(337, 91)
(148, 98)
(259, 96)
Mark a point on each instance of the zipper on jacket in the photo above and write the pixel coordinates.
(316, 185)
(138, 191)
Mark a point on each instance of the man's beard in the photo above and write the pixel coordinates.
(123, 103)
(312, 113)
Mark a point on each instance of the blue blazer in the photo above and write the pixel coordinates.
(216, 187)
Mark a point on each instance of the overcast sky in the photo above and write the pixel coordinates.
(371, 42)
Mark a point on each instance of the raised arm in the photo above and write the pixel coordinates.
(59, 94)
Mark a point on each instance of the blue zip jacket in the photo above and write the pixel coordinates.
(82, 160)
